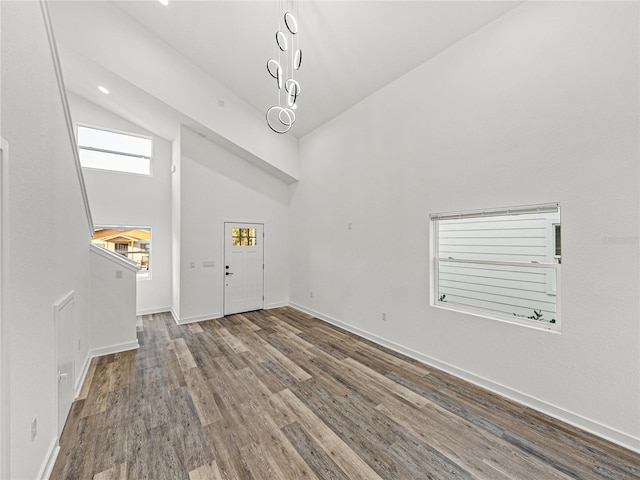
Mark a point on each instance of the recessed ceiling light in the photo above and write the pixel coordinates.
(164, 2)
(103, 90)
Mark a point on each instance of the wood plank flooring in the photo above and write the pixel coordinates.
(281, 395)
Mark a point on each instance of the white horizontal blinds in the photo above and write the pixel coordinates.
(513, 238)
(498, 288)
(497, 261)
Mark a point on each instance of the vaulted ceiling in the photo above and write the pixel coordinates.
(203, 64)
(350, 48)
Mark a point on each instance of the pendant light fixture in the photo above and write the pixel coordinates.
(281, 117)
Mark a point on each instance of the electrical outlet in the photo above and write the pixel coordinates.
(348, 226)
(118, 273)
(311, 294)
(34, 428)
(384, 317)
(192, 264)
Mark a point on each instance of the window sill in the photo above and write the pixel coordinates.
(518, 321)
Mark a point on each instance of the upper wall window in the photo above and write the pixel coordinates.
(117, 152)
(499, 263)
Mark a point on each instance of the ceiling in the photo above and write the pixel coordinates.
(350, 48)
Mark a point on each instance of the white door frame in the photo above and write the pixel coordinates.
(224, 253)
(66, 300)
(4, 354)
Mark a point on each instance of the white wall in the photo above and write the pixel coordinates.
(217, 186)
(134, 200)
(539, 106)
(4, 420)
(113, 303)
(47, 230)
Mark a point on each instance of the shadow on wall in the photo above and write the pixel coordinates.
(214, 157)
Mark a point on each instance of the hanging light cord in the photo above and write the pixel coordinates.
(281, 117)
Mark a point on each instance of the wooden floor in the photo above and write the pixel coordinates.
(281, 395)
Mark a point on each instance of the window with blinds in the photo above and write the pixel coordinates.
(499, 263)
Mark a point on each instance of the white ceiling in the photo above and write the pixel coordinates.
(350, 48)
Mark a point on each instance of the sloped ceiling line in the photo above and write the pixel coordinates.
(97, 32)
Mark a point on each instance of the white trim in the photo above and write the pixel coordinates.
(224, 257)
(99, 352)
(60, 304)
(603, 431)
(498, 212)
(54, 449)
(198, 318)
(113, 152)
(120, 132)
(435, 261)
(500, 317)
(113, 130)
(114, 257)
(151, 311)
(50, 459)
(5, 423)
(550, 249)
(499, 262)
(82, 376)
(434, 266)
(67, 111)
(121, 347)
(141, 274)
(57, 307)
(270, 306)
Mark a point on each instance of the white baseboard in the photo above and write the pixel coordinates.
(200, 318)
(122, 347)
(98, 352)
(50, 460)
(611, 434)
(83, 374)
(213, 316)
(270, 306)
(52, 454)
(150, 311)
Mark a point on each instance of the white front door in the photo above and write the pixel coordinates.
(243, 267)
